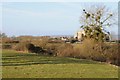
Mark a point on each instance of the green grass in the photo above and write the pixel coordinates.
(29, 65)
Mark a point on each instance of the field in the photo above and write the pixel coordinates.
(30, 65)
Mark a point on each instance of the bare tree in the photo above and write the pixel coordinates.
(95, 20)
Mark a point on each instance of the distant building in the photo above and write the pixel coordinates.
(79, 35)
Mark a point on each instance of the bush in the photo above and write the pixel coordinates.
(51, 48)
(30, 47)
(22, 46)
(65, 50)
(112, 55)
(6, 46)
(89, 49)
(41, 43)
(86, 50)
(98, 51)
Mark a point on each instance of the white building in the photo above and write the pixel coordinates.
(79, 35)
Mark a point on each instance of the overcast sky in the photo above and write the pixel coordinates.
(45, 18)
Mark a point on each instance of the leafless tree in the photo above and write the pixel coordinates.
(94, 21)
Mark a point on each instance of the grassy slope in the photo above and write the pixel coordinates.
(22, 65)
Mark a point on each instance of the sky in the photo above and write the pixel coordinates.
(45, 18)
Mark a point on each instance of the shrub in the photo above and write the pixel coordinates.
(41, 43)
(6, 46)
(86, 49)
(112, 55)
(30, 47)
(51, 48)
(65, 50)
(38, 50)
(89, 49)
(22, 46)
(98, 51)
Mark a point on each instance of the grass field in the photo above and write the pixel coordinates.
(29, 65)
